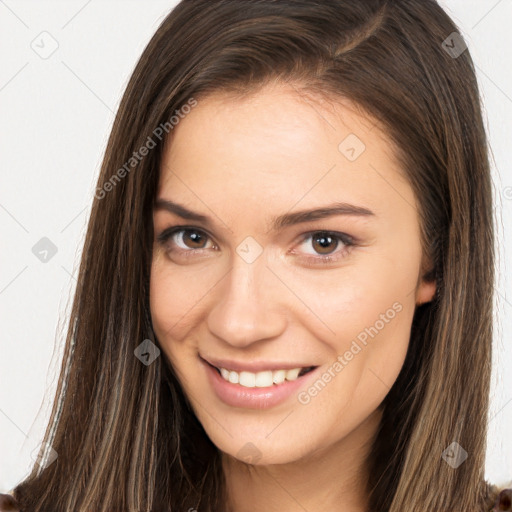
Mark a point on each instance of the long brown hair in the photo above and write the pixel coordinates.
(126, 437)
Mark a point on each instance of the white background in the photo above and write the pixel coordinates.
(55, 117)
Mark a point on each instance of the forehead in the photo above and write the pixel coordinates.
(280, 145)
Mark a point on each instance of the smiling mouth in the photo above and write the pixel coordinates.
(264, 378)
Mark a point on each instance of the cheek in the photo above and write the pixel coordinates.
(171, 312)
(363, 302)
(162, 301)
(368, 352)
(173, 297)
(368, 310)
(168, 306)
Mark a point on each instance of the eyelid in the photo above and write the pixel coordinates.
(347, 240)
(167, 233)
(348, 243)
(344, 237)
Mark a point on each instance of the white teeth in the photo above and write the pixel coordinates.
(279, 376)
(263, 379)
(293, 374)
(247, 379)
(260, 379)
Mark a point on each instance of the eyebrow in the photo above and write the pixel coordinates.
(279, 222)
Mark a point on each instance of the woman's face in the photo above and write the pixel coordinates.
(267, 278)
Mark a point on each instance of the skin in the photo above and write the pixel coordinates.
(240, 162)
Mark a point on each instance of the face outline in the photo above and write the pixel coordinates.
(240, 163)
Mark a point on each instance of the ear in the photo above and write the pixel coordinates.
(427, 286)
(425, 292)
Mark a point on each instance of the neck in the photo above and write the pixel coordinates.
(332, 478)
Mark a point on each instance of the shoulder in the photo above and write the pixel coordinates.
(8, 503)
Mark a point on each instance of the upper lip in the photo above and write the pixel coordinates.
(253, 366)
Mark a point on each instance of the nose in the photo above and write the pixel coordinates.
(248, 305)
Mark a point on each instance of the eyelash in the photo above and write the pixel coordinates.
(345, 239)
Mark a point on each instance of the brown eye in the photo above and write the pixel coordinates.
(184, 239)
(325, 247)
(324, 243)
(193, 239)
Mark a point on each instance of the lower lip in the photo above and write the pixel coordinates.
(236, 395)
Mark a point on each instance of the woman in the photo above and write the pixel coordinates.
(221, 356)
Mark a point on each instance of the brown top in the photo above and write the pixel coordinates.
(503, 502)
(8, 503)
